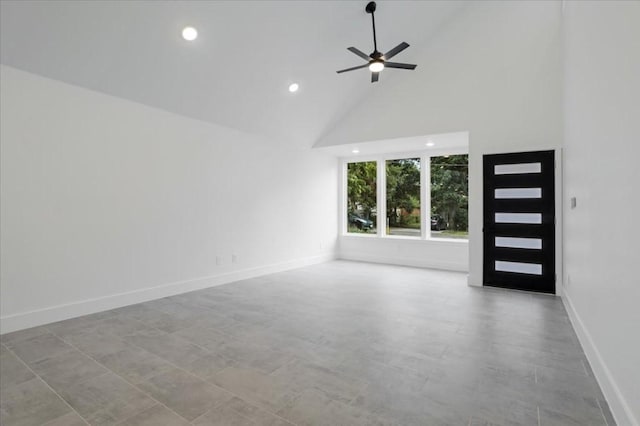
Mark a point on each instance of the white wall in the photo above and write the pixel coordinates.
(106, 202)
(496, 71)
(602, 148)
(447, 254)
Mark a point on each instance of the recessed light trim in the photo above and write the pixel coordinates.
(430, 144)
(355, 151)
(189, 33)
(293, 87)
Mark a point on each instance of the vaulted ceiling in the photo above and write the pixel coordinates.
(236, 73)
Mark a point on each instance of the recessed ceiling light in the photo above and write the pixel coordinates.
(355, 151)
(430, 143)
(294, 87)
(189, 33)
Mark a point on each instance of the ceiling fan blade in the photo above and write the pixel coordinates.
(353, 68)
(359, 53)
(393, 52)
(374, 76)
(398, 65)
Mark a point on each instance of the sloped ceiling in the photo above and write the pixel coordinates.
(495, 71)
(238, 70)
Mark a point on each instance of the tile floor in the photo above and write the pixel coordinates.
(340, 343)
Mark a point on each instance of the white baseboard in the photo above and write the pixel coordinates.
(473, 281)
(617, 403)
(404, 261)
(51, 314)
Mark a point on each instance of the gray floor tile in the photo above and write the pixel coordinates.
(209, 365)
(38, 348)
(237, 412)
(13, 371)
(96, 343)
(476, 421)
(122, 326)
(184, 393)
(315, 408)
(457, 397)
(307, 376)
(24, 334)
(500, 409)
(30, 403)
(339, 343)
(69, 419)
(204, 336)
(134, 364)
(169, 347)
(254, 356)
(158, 415)
(409, 408)
(105, 399)
(381, 376)
(266, 391)
(554, 418)
(552, 379)
(67, 369)
(158, 319)
(82, 324)
(413, 361)
(580, 409)
(298, 348)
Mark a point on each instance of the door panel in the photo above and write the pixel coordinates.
(519, 221)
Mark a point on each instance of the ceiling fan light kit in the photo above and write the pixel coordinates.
(377, 61)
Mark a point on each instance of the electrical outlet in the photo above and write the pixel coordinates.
(234, 258)
(219, 260)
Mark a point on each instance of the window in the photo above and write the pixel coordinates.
(419, 196)
(361, 197)
(449, 196)
(403, 197)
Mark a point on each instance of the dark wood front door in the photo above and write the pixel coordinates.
(519, 221)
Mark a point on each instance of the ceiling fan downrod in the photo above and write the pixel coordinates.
(371, 8)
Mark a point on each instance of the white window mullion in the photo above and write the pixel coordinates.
(425, 197)
(381, 202)
(344, 221)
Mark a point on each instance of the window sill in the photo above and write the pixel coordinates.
(407, 238)
(360, 235)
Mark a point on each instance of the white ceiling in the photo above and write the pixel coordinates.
(238, 70)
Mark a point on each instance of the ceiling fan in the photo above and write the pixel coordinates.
(377, 61)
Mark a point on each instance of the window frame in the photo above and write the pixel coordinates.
(344, 214)
(381, 193)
